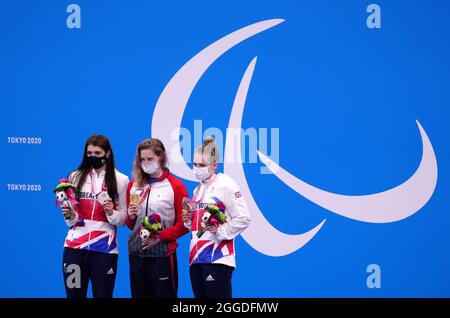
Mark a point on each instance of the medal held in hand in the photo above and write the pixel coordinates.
(102, 197)
(135, 199)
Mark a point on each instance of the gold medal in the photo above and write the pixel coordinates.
(134, 198)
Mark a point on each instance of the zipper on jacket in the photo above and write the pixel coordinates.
(92, 218)
(92, 212)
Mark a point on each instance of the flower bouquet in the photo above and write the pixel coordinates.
(150, 226)
(65, 195)
(213, 215)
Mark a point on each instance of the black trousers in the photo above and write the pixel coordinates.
(211, 280)
(154, 277)
(82, 266)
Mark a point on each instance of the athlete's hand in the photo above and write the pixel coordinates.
(108, 206)
(186, 216)
(133, 211)
(66, 211)
(212, 228)
(186, 211)
(150, 242)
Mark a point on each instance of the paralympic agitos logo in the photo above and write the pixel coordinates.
(391, 205)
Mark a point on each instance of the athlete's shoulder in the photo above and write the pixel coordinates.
(226, 182)
(73, 176)
(175, 182)
(121, 177)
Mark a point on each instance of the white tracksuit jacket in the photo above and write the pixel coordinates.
(217, 248)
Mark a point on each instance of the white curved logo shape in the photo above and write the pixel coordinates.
(167, 117)
(387, 206)
(261, 235)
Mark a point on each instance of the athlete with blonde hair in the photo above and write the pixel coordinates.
(212, 255)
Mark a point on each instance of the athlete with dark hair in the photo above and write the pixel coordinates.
(90, 248)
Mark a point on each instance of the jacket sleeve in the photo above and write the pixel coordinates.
(72, 222)
(238, 214)
(178, 229)
(188, 226)
(120, 215)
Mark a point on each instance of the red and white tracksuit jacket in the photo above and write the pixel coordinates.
(92, 229)
(217, 248)
(165, 198)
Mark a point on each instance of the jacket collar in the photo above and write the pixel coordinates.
(164, 175)
(101, 174)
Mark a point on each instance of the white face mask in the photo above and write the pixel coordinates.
(201, 173)
(151, 168)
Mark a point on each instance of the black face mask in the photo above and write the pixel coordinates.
(96, 162)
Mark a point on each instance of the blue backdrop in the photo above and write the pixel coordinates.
(344, 97)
